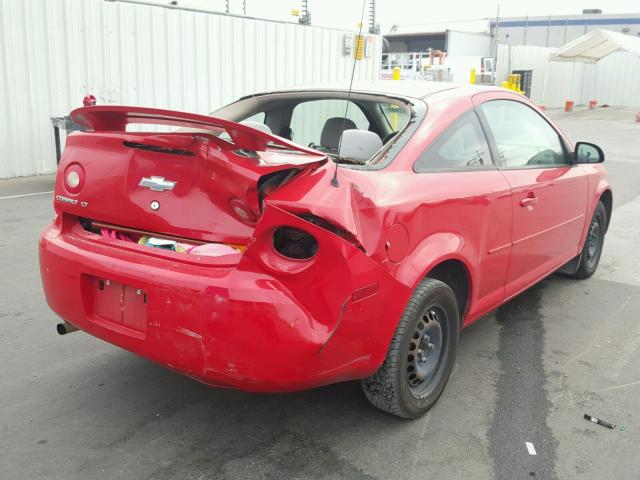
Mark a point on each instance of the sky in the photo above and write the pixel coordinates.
(412, 15)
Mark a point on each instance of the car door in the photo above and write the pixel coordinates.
(549, 192)
(463, 194)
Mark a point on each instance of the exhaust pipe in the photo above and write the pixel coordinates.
(64, 328)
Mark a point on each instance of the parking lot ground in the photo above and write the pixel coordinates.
(74, 407)
(26, 186)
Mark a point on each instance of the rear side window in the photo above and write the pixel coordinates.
(395, 116)
(523, 137)
(463, 145)
(259, 117)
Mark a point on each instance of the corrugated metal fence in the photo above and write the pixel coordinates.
(614, 80)
(54, 52)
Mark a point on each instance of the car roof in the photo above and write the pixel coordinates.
(403, 88)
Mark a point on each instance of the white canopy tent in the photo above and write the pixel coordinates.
(591, 48)
(596, 45)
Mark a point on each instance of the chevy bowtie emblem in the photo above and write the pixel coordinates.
(157, 184)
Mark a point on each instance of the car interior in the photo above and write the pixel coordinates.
(353, 131)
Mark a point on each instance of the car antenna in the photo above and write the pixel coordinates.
(359, 44)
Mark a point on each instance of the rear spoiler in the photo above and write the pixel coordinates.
(114, 118)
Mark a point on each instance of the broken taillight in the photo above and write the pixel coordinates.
(294, 243)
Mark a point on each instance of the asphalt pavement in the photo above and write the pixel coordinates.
(74, 407)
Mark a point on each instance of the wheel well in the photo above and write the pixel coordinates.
(455, 274)
(607, 200)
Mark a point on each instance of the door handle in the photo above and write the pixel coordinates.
(529, 201)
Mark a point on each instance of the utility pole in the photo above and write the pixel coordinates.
(495, 37)
(305, 15)
(373, 27)
(244, 7)
(227, 7)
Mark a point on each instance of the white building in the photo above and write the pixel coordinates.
(555, 30)
(53, 53)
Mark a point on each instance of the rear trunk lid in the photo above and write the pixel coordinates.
(205, 182)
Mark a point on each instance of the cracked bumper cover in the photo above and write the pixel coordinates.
(261, 325)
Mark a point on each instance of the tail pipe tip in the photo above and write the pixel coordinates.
(64, 328)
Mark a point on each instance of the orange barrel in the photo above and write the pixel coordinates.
(593, 104)
(568, 106)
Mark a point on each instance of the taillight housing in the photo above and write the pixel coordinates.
(73, 178)
(294, 243)
(242, 211)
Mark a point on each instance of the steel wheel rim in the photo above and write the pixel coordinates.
(593, 242)
(424, 356)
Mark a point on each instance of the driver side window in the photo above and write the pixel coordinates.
(523, 137)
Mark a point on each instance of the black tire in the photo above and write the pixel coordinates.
(592, 249)
(408, 384)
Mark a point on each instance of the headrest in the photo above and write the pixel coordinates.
(332, 130)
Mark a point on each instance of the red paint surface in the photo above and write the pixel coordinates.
(259, 321)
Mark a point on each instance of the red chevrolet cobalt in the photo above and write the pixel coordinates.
(299, 238)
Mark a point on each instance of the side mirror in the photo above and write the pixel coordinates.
(588, 153)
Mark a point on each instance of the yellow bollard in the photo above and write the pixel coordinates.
(396, 73)
(472, 76)
(513, 82)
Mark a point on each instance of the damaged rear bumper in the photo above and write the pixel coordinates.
(267, 324)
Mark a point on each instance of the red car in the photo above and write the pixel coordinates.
(353, 242)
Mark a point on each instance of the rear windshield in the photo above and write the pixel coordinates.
(319, 121)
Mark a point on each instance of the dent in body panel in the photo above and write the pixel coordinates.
(463, 215)
(345, 327)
